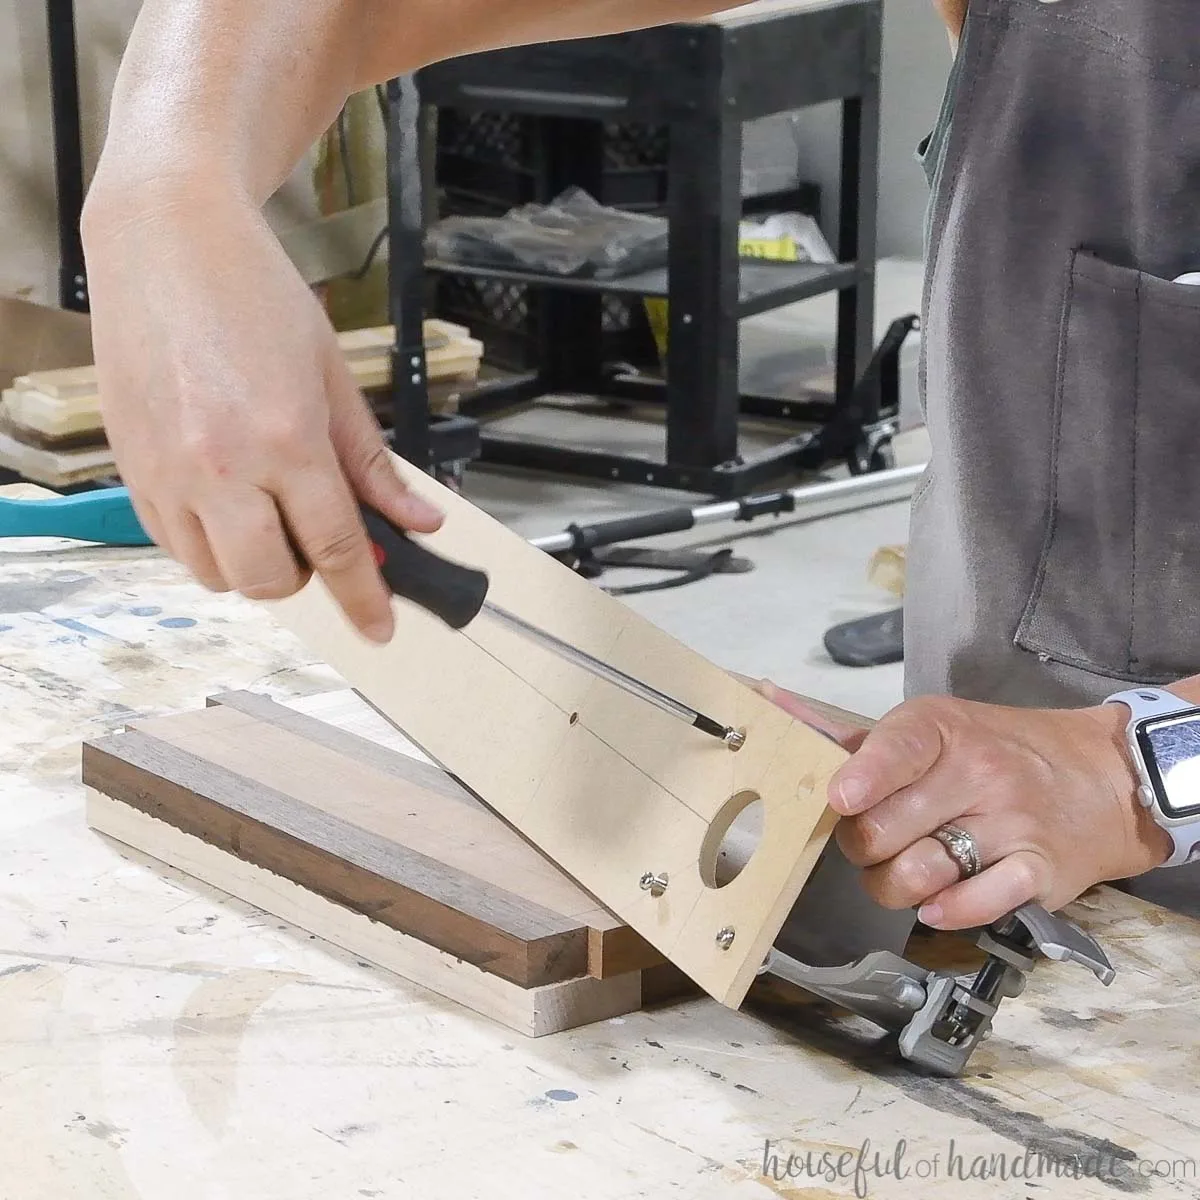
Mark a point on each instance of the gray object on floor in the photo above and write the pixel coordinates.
(869, 641)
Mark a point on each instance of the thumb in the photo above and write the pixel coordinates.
(367, 463)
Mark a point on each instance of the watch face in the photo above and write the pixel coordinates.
(1171, 749)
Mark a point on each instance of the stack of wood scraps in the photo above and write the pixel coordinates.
(452, 360)
(52, 430)
(331, 820)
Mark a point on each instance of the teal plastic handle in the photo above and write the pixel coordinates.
(105, 515)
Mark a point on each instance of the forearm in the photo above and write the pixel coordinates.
(229, 94)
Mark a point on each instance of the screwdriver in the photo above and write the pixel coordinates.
(457, 594)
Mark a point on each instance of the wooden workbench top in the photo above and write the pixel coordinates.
(157, 1040)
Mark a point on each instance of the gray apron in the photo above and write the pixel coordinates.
(1055, 543)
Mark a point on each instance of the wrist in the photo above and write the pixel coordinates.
(1143, 844)
(126, 196)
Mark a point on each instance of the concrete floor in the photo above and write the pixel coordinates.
(807, 575)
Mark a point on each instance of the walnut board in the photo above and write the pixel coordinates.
(535, 1011)
(368, 828)
(604, 784)
(53, 467)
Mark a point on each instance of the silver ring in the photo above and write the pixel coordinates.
(960, 845)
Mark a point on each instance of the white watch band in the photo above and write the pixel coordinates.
(1146, 702)
(1149, 702)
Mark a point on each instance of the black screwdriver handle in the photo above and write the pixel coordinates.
(448, 590)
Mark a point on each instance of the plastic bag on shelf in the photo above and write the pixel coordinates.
(573, 235)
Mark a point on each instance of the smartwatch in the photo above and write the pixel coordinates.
(1164, 741)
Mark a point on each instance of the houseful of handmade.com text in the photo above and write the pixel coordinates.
(871, 1162)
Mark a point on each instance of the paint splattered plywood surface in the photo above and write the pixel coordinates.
(157, 1039)
(91, 636)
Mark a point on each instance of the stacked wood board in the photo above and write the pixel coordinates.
(51, 429)
(354, 839)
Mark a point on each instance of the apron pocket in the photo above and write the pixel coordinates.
(1117, 590)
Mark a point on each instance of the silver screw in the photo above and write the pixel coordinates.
(725, 937)
(654, 884)
(735, 739)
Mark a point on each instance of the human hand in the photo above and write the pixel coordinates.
(230, 410)
(1048, 795)
(846, 728)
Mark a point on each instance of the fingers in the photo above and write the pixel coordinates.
(913, 812)
(846, 735)
(189, 545)
(183, 539)
(1013, 881)
(150, 520)
(324, 519)
(250, 552)
(367, 464)
(901, 748)
(849, 736)
(925, 875)
(925, 867)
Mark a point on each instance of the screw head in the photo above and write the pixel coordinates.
(653, 883)
(725, 937)
(735, 739)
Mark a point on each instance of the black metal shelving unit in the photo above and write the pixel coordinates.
(704, 81)
(68, 152)
(445, 443)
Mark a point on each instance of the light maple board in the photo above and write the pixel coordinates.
(62, 404)
(534, 1012)
(607, 786)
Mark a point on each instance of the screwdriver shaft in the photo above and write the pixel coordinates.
(629, 683)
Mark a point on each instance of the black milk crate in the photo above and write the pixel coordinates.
(498, 157)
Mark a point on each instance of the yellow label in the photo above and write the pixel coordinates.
(658, 315)
(777, 249)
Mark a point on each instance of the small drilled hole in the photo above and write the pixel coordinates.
(573, 718)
